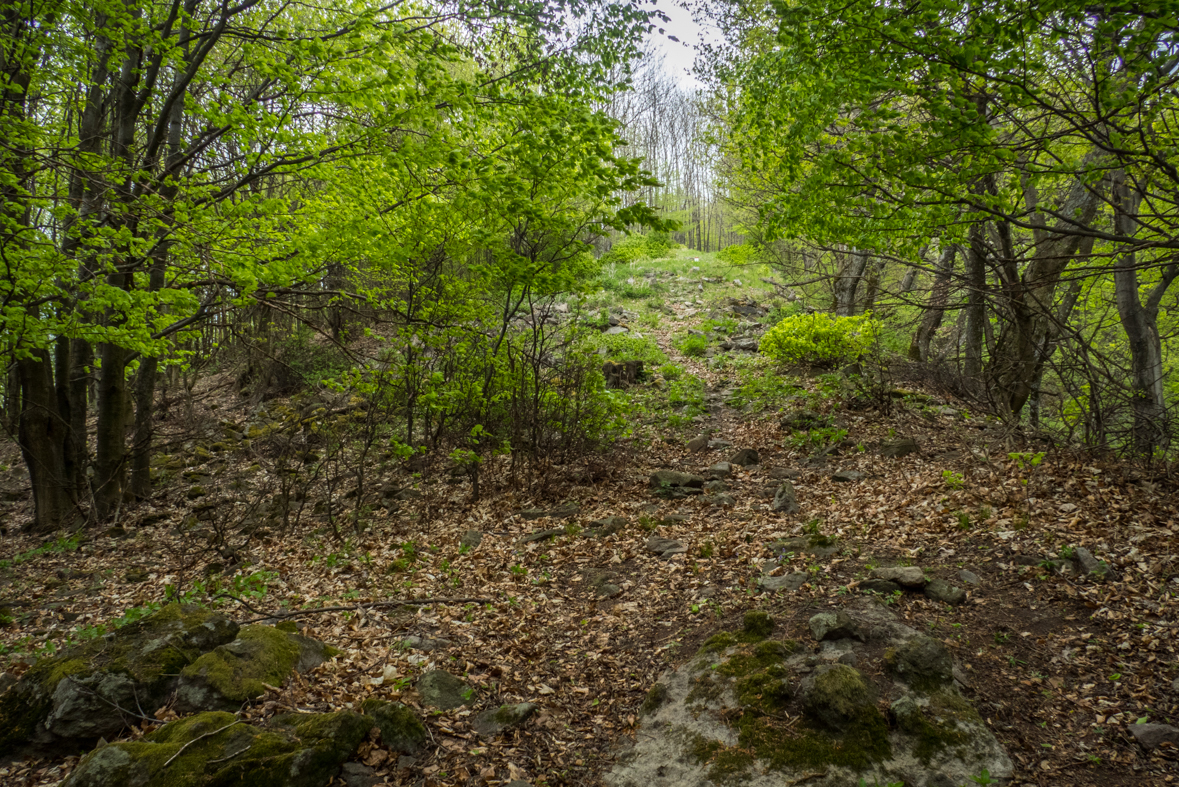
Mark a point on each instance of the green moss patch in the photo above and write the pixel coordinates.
(757, 626)
(241, 670)
(654, 701)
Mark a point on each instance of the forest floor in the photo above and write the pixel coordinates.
(1059, 665)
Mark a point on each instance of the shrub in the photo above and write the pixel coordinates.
(693, 346)
(820, 339)
(739, 254)
(635, 247)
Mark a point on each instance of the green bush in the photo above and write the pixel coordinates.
(693, 346)
(625, 347)
(820, 339)
(740, 254)
(633, 248)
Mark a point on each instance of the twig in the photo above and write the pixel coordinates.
(202, 737)
(351, 608)
(231, 756)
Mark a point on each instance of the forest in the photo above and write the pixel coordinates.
(295, 298)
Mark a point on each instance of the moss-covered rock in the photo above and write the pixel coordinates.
(444, 691)
(836, 695)
(241, 670)
(922, 662)
(401, 730)
(73, 698)
(215, 749)
(496, 720)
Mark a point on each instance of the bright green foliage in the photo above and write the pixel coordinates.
(633, 248)
(739, 254)
(820, 339)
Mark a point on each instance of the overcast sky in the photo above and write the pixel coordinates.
(679, 56)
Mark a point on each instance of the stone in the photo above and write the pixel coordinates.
(848, 476)
(71, 699)
(496, 720)
(241, 670)
(529, 514)
(969, 577)
(698, 443)
(444, 691)
(815, 544)
(783, 473)
(716, 486)
(565, 510)
(720, 470)
(1151, 736)
(712, 720)
(614, 330)
(721, 500)
(785, 499)
(135, 575)
(1026, 560)
(717, 444)
(899, 448)
(194, 492)
(911, 577)
(471, 539)
(665, 547)
(943, 591)
(791, 582)
(1090, 565)
(400, 728)
(427, 644)
(294, 749)
(884, 586)
(746, 457)
(543, 535)
(829, 626)
(607, 526)
(357, 774)
(666, 480)
(922, 662)
(605, 584)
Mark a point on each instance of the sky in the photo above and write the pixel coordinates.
(679, 56)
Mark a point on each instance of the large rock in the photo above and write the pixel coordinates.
(95, 689)
(444, 691)
(785, 499)
(294, 750)
(496, 720)
(241, 670)
(718, 718)
(673, 483)
(898, 448)
(401, 730)
(911, 577)
(745, 457)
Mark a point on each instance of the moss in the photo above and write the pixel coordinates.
(922, 662)
(751, 660)
(400, 728)
(838, 695)
(819, 540)
(757, 625)
(705, 689)
(767, 691)
(862, 743)
(241, 670)
(289, 626)
(655, 699)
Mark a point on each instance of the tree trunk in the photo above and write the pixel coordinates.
(1140, 321)
(935, 310)
(848, 281)
(110, 467)
(976, 301)
(42, 436)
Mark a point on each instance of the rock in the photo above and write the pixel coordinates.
(721, 500)
(1090, 565)
(471, 539)
(884, 586)
(969, 577)
(135, 575)
(829, 626)
(70, 700)
(910, 577)
(720, 470)
(237, 671)
(442, 690)
(676, 484)
(922, 662)
(401, 730)
(605, 584)
(295, 750)
(1026, 560)
(543, 535)
(1175, 685)
(943, 591)
(785, 499)
(665, 547)
(783, 473)
(427, 644)
(746, 457)
(716, 444)
(614, 330)
(848, 476)
(529, 514)
(711, 721)
(356, 774)
(899, 448)
(817, 544)
(698, 443)
(837, 696)
(716, 486)
(194, 492)
(786, 582)
(494, 721)
(607, 526)
(1151, 736)
(565, 510)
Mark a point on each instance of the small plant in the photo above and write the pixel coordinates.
(670, 372)
(820, 339)
(812, 527)
(693, 346)
(1001, 637)
(518, 571)
(963, 520)
(706, 550)
(953, 480)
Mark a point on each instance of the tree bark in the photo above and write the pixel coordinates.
(848, 281)
(976, 302)
(935, 310)
(42, 436)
